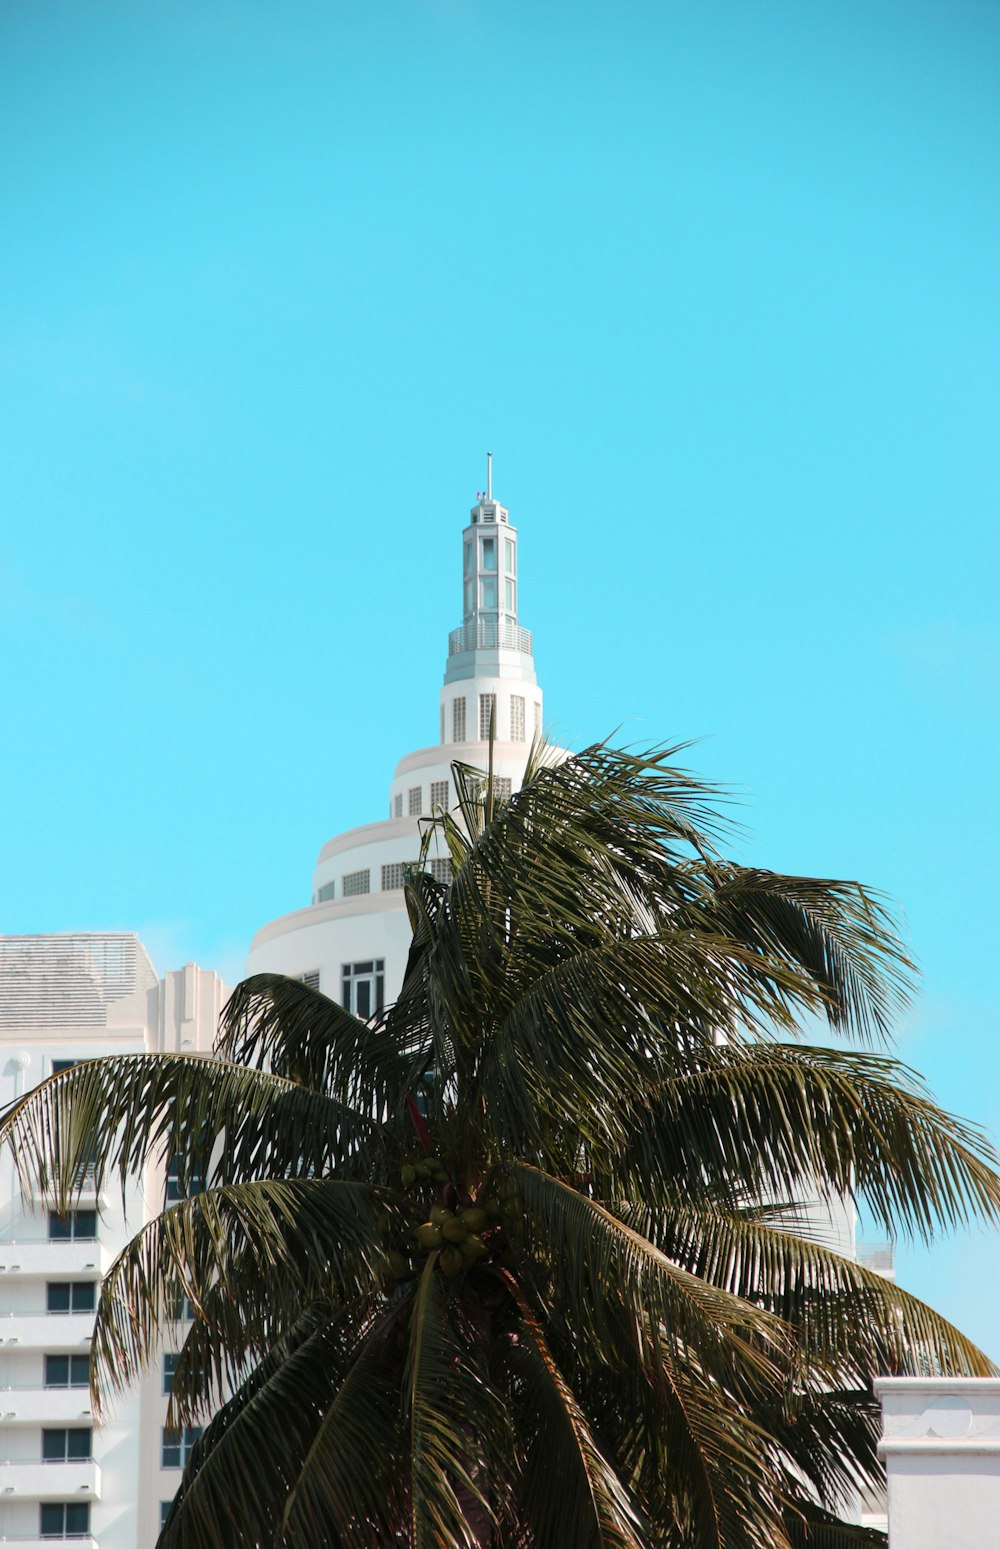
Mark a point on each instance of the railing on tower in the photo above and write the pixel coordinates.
(489, 635)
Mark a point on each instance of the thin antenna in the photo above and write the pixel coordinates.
(489, 475)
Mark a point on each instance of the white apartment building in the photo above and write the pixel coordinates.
(65, 998)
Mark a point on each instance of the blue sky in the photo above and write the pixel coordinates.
(719, 286)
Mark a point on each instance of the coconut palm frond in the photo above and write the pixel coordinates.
(780, 1117)
(269, 1245)
(569, 1492)
(810, 1527)
(840, 934)
(461, 1445)
(233, 1493)
(847, 1318)
(616, 1291)
(104, 1118)
(286, 1026)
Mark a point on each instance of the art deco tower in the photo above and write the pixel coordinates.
(352, 940)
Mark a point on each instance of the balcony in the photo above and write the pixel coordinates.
(33, 1480)
(489, 634)
(34, 1541)
(44, 1406)
(74, 1259)
(53, 1331)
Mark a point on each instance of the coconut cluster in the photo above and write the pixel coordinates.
(457, 1236)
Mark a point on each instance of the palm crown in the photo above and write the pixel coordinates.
(522, 1263)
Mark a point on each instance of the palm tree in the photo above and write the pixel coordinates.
(519, 1264)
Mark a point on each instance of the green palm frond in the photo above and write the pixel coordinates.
(325, 1382)
(840, 934)
(105, 1118)
(848, 1319)
(232, 1252)
(777, 1118)
(810, 1527)
(452, 1409)
(570, 1493)
(286, 1026)
(614, 1290)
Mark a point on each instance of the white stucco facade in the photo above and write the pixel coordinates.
(70, 998)
(941, 1448)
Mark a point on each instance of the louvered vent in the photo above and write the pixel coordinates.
(71, 980)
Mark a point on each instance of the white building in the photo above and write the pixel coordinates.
(352, 940)
(65, 998)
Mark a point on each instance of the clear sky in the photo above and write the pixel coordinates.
(718, 284)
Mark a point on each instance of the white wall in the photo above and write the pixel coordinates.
(941, 1448)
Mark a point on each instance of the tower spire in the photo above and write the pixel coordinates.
(489, 475)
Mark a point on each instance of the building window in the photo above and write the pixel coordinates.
(510, 596)
(179, 1308)
(508, 548)
(70, 1296)
(414, 801)
(396, 874)
(441, 869)
(538, 718)
(164, 1513)
(442, 723)
(487, 709)
(488, 593)
(177, 1446)
(60, 1065)
(501, 790)
(363, 987)
(489, 554)
(354, 882)
(67, 1371)
(66, 1446)
(64, 1519)
(169, 1367)
(327, 892)
(516, 718)
(458, 720)
(397, 805)
(178, 1187)
(439, 795)
(311, 979)
(469, 563)
(74, 1226)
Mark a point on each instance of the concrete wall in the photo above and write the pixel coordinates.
(941, 1448)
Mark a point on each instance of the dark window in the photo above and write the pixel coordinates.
(64, 1519)
(363, 987)
(67, 1371)
(177, 1446)
(177, 1188)
(178, 1307)
(169, 1367)
(66, 1446)
(70, 1296)
(74, 1226)
(164, 1513)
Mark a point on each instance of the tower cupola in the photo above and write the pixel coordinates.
(490, 646)
(489, 593)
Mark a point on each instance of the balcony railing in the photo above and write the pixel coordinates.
(77, 1258)
(37, 1479)
(38, 1405)
(481, 634)
(46, 1330)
